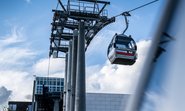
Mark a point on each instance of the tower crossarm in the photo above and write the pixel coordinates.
(97, 27)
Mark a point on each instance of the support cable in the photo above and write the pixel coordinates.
(136, 8)
(127, 13)
(143, 5)
(48, 67)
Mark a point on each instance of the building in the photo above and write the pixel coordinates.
(106, 101)
(47, 94)
(53, 84)
(94, 102)
(19, 106)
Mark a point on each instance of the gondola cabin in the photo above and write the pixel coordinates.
(122, 50)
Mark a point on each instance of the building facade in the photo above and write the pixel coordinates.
(48, 97)
(53, 84)
(47, 93)
(106, 101)
(19, 106)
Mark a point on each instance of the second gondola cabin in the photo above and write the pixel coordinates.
(122, 50)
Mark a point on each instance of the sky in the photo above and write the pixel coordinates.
(24, 44)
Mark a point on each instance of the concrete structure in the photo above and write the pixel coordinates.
(106, 102)
(47, 93)
(19, 106)
(53, 84)
(94, 102)
(48, 97)
(87, 17)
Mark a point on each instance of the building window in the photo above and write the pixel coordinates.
(13, 107)
(58, 83)
(62, 83)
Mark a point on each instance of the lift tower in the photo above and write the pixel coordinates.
(78, 20)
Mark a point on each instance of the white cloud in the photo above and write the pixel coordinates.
(14, 37)
(57, 67)
(116, 78)
(18, 65)
(4, 94)
(14, 50)
(153, 101)
(57, 74)
(15, 59)
(19, 82)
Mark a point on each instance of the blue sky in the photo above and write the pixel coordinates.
(35, 16)
(24, 43)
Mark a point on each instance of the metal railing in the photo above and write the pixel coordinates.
(86, 7)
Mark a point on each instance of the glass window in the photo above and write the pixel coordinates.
(121, 46)
(62, 83)
(41, 82)
(13, 107)
(58, 89)
(58, 82)
(44, 82)
(54, 82)
(38, 82)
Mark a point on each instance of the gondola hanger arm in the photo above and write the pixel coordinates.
(127, 13)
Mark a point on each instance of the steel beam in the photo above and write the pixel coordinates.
(65, 83)
(80, 98)
(74, 65)
(96, 1)
(68, 93)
